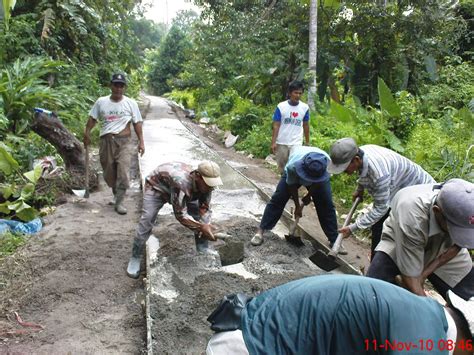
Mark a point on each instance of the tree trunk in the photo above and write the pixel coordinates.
(313, 50)
(68, 146)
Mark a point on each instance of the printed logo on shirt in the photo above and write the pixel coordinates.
(113, 115)
(294, 114)
(293, 121)
(471, 220)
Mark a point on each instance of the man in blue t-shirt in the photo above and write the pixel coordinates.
(290, 124)
(306, 167)
(347, 314)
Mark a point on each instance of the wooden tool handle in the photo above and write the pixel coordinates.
(340, 236)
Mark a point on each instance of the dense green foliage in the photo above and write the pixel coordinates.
(383, 75)
(59, 55)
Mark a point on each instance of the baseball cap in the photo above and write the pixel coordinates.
(463, 306)
(210, 172)
(456, 199)
(341, 153)
(312, 167)
(118, 78)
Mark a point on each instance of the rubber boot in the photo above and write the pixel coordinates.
(133, 268)
(119, 196)
(112, 203)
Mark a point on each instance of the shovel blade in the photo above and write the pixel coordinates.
(294, 240)
(324, 261)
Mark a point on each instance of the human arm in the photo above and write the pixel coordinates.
(276, 129)
(413, 284)
(380, 190)
(91, 122)
(293, 191)
(139, 131)
(306, 132)
(441, 260)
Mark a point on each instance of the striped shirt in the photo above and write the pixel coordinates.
(383, 174)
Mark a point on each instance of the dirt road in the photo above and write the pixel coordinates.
(70, 279)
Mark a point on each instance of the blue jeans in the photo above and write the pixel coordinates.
(322, 199)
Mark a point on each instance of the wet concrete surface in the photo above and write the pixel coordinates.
(183, 286)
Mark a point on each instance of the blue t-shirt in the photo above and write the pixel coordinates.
(292, 178)
(342, 314)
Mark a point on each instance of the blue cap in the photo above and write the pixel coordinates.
(312, 167)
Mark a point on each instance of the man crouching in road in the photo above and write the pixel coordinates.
(344, 314)
(306, 167)
(426, 236)
(189, 191)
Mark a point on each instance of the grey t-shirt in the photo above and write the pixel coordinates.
(115, 116)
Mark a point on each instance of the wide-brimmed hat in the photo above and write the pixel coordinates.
(118, 78)
(341, 153)
(312, 167)
(465, 307)
(456, 200)
(210, 173)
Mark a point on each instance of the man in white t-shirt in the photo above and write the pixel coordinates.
(115, 112)
(290, 123)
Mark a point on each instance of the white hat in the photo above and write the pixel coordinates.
(465, 307)
(210, 172)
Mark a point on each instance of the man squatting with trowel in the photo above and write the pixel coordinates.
(115, 112)
(382, 172)
(189, 192)
(306, 167)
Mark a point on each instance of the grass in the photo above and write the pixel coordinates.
(9, 242)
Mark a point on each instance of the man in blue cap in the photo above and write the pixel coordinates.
(306, 167)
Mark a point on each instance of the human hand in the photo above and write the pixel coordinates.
(358, 193)
(141, 148)
(206, 232)
(345, 231)
(274, 146)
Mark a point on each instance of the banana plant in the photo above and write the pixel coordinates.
(7, 7)
(14, 197)
(376, 121)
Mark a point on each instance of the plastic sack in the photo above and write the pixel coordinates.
(31, 227)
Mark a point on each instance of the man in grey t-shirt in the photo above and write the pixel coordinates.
(115, 112)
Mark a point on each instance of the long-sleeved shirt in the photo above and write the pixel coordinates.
(175, 183)
(384, 172)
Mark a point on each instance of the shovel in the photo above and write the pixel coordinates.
(291, 237)
(84, 193)
(328, 262)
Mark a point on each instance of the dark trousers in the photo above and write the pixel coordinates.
(377, 234)
(384, 268)
(322, 199)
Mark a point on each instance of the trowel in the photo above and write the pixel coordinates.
(329, 262)
(85, 192)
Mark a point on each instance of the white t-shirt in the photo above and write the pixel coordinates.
(115, 116)
(291, 120)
